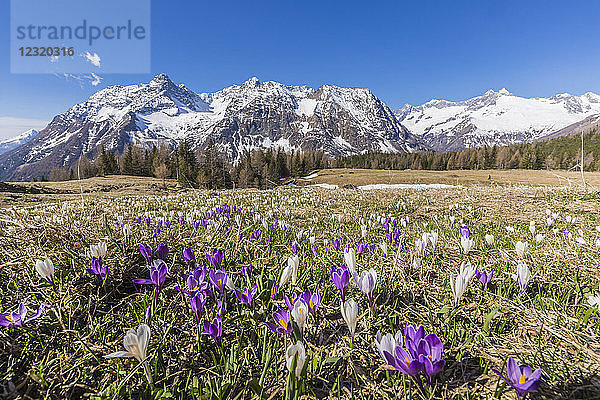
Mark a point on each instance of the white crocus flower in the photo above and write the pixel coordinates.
(127, 230)
(363, 229)
(366, 282)
(286, 274)
(510, 229)
(521, 248)
(417, 262)
(293, 263)
(230, 285)
(300, 313)
(466, 243)
(490, 240)
(350, 258)
(539, 238)
(433, 239)
(460, 283)
(298, 352)
(349, 310)
(594, 301)
(532, 228)
(99, 250)
(384, 248)
(45, 269)
(136, 344)
(420, 246)
(523, 276)
(388, 343)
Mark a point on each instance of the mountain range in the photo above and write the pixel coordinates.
(339, 121)
(496, 118)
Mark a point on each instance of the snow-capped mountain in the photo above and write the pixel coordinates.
(337, 120)
(499, 118)
(14, 142)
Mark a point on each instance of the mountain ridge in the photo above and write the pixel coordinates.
(495, 118)
(238, 118)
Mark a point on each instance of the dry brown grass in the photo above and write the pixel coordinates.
(360, 177)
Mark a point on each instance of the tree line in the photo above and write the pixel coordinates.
(209, 168)
(260, 168)
(560, 153)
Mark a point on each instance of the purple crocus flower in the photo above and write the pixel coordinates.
(522, 378)
(247, 270)
(218, 278)
(484, 278)
(290, 301)
(282, 322)
(255, 234)
(158, 275)
(269, 244)
(197, 302)
(340, 277)
(187, 253)
(214, 329)
(162, 252)
(337, 244)
(146, 252)
(412, 336)
(215, 259)
(430, 355)
(246, 295)
(404, 361)
(97, 268)
(274, 290)
(315, 251)
(294, 247)
(312, 300)
(361, 247)
(465, 231)
(371, 248)
(19, 317)
(195, 281)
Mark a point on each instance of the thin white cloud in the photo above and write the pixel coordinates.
(93, 58)
(83, 79)
(97, 79)
(13, 126)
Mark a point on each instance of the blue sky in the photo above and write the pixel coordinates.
(405, 52)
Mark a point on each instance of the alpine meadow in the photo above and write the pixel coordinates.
(237, 200)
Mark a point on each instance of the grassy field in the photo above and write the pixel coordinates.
(358, 177)
(547, 324)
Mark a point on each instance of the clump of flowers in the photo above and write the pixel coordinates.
(414, 353)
